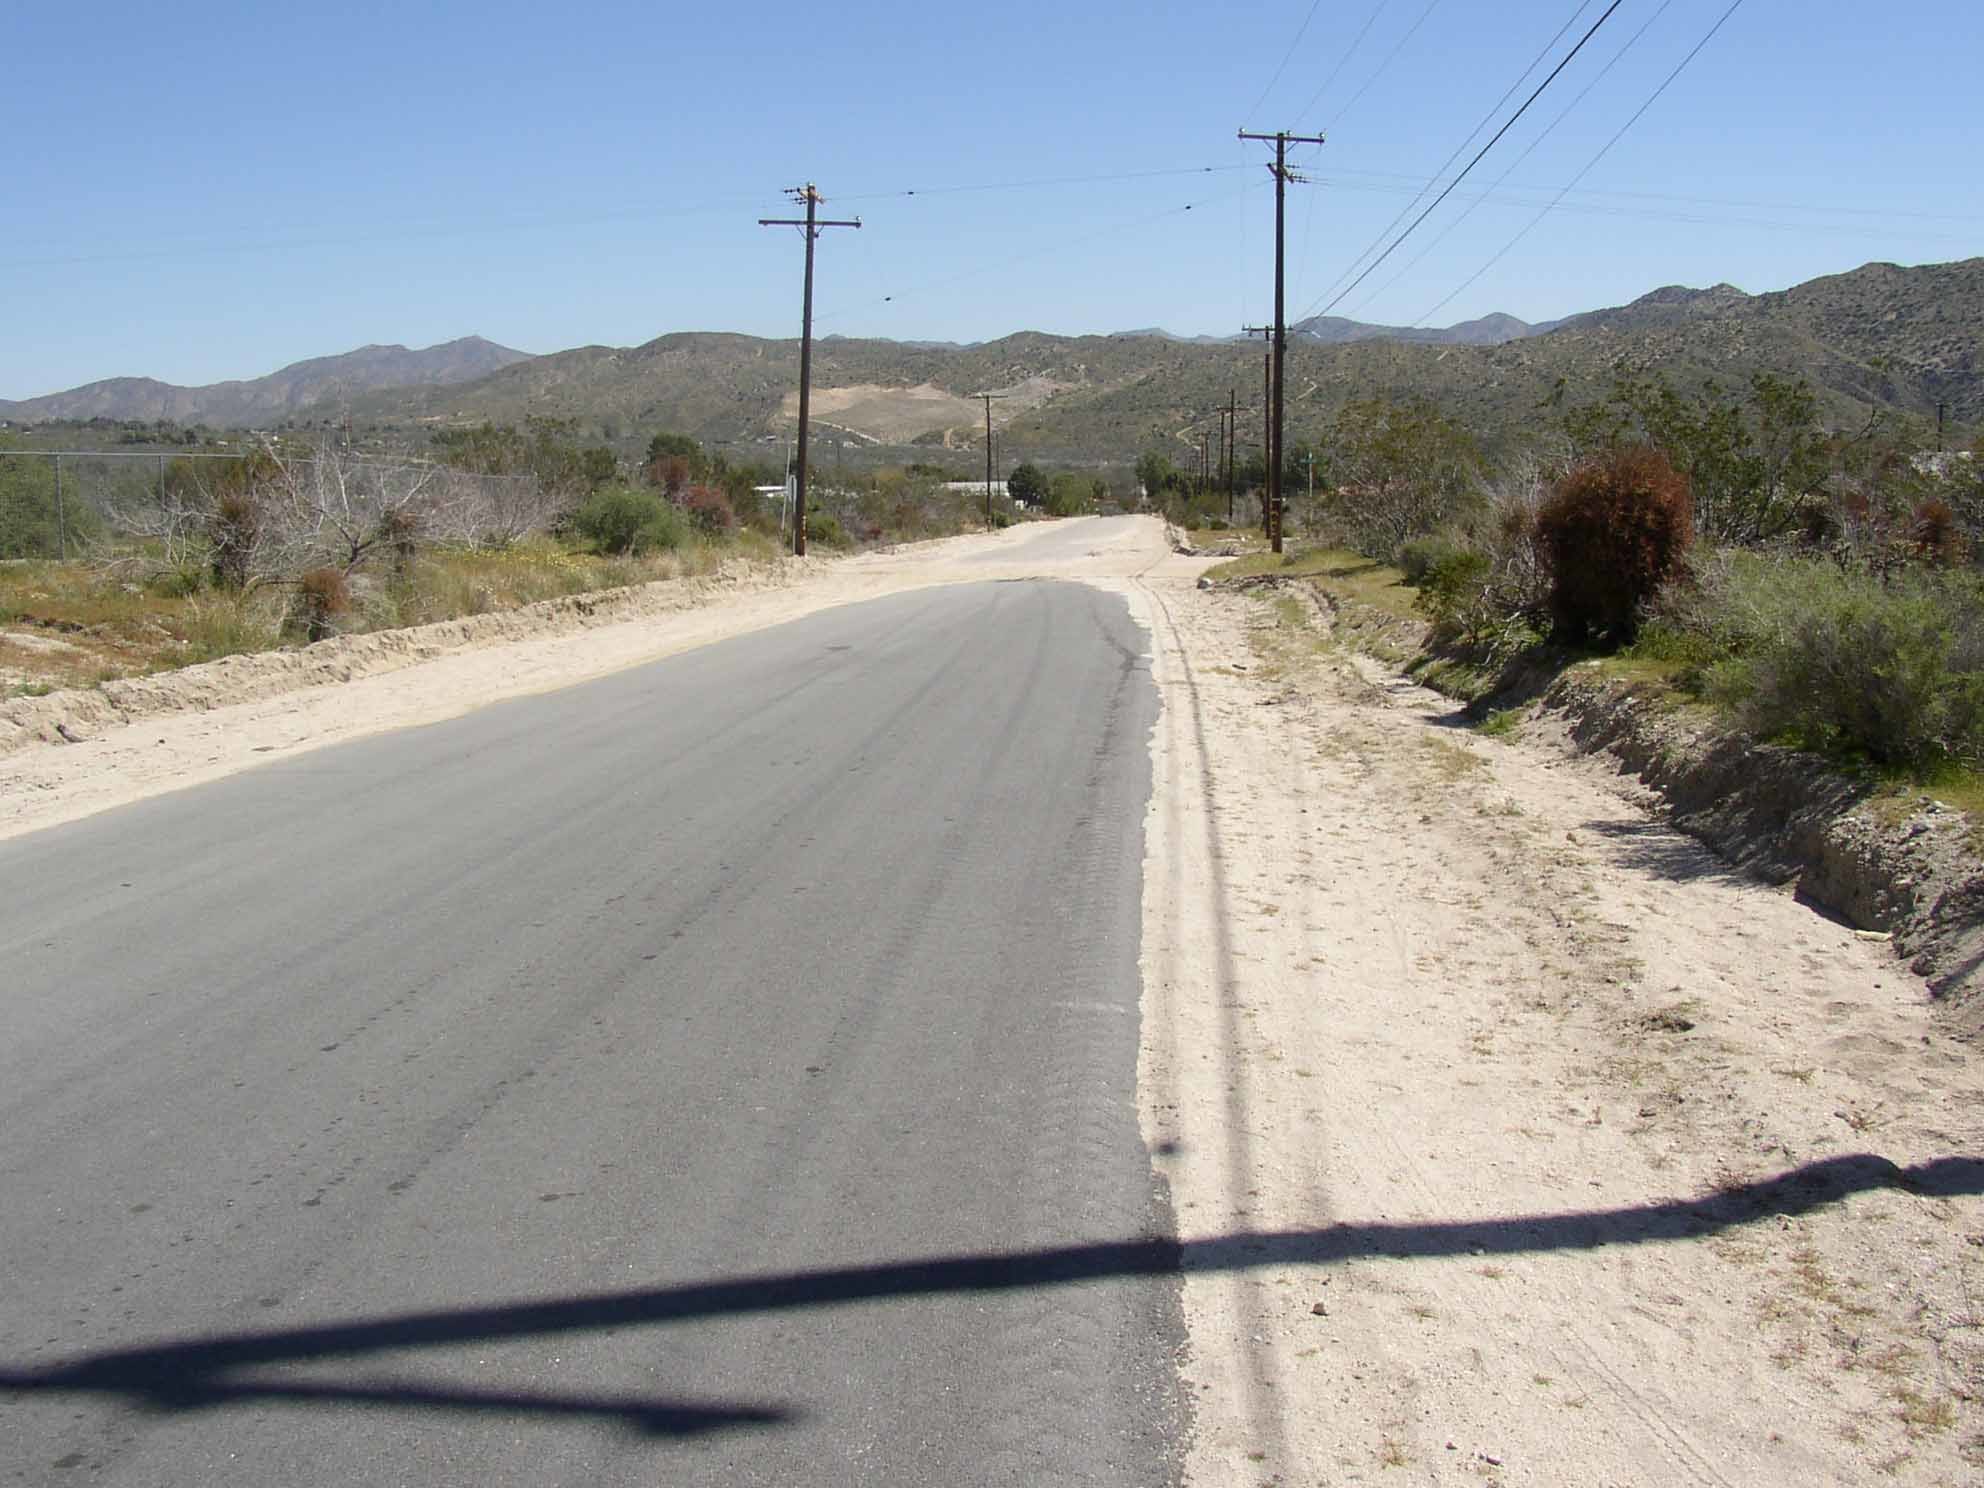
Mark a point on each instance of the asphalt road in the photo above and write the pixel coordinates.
(721, 1072)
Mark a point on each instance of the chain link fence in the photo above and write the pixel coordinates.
(64, 503)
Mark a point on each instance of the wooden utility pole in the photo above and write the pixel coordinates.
(1232, 445)
(1281, 139)
(988, 397)
(810, 195)
(1267, 426)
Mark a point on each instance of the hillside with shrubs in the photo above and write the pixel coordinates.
(1724, 547)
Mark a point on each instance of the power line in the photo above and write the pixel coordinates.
(1486, 119)
(1335, 178)
(1604, 150)
(1410, 32)
(1050, 250)
(1343, 61)
(1034, 184)
(411, 232)
(1288, 56)
(1434, 204)
(1516, 164)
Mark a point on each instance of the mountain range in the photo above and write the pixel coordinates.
(280, 395)
(1879, 338)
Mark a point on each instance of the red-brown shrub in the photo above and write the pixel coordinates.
(1613, 531)
(1936, 534)
(321, 594)
(709, 508)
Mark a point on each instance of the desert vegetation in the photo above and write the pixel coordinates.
(1721, 547)
(301, 538)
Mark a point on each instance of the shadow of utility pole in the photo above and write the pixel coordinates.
(200, 1373)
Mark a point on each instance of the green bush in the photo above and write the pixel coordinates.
(824, 528)
(622, 519)
(1419, 556)
(1842, 658)
(33, 523)
(1614, 531)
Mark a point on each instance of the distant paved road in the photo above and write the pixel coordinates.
(700, 1075)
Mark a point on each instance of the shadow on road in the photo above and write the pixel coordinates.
(203, 1373)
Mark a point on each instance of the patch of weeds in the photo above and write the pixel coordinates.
(1392, 1453)
(1677, 1017)
(1452, 761)
(1503, 723)
(1802, 1076)
(33, 689)
(1923, 1413)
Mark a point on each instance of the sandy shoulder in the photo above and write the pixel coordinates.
(1511, 1139)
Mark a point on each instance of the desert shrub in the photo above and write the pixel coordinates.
(824, 528)
(234, 532)
(1613, 531)
(1840, 657)
(621, 519)
(709, 509)
(1420, 556)
(321, 596)
(218, 625)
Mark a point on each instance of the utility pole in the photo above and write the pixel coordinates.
(988, 397)
(810, 195)
(1282, 139)
(1267, 427)
(1233, 429)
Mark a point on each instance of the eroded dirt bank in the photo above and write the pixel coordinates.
(1512, 1136)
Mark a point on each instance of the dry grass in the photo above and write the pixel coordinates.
(1353, 576)
(66, 625)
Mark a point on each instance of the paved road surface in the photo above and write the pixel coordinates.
(710, 1074)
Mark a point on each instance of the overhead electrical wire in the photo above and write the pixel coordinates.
(1059, 246)
(1037, 182)
(405, 232)
(1486, 119)
(1516, 164)
(1287, 57)
(1649, 214)
(1336, 178)
(1448, 191)
(1591, 164)
(1390, 57)
(1343, 61)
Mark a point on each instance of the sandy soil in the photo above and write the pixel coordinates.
(1511, 1139)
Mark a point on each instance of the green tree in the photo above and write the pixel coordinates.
(1159, 476)
(1398, 470)
(1027, 485)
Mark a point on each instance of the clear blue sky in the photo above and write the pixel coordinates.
(200, 191)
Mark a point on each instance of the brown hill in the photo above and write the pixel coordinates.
(281, 394)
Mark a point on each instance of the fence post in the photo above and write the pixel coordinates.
(61, 518)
